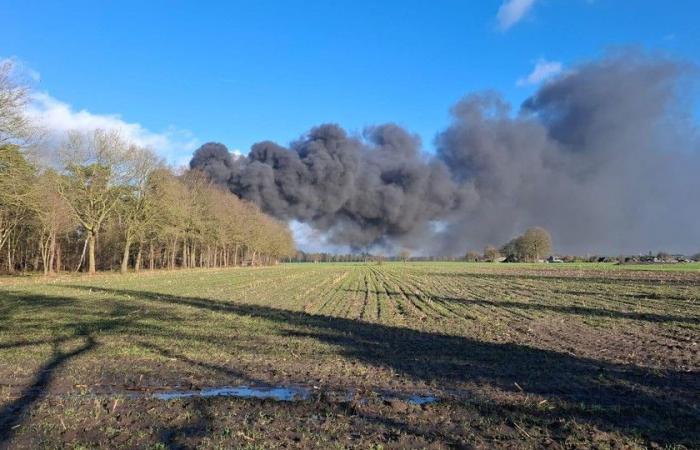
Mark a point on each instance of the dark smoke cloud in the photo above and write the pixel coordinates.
(362, 190)
(603, 156)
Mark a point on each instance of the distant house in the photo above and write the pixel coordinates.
(658, 259)
(681, 258)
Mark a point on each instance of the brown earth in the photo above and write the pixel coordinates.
(518, 358)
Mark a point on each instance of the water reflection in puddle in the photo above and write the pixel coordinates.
(422, 399)
(283, 394)
(290, 394)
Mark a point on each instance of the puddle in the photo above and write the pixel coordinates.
(282, 394)
(294, 393)
(412, 399)
(422, 399)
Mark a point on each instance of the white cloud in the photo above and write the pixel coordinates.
(543, 70)
(57, 118)
(512, 11)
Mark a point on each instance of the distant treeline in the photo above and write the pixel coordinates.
(303, 257)
(532, 246)
(103, 203)
(487, 256)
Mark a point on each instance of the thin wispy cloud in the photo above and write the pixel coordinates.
(542, 71)
(512, 12)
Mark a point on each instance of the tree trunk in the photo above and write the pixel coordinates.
(125, 256)
(10, 267)
(235, 255)
(45, 261)
(35, 262)
(92, 267)
(173, 250)
(58, 258)
(139, 254)
(52, 251)
(151, 256)
(82, 255)
(44, 250)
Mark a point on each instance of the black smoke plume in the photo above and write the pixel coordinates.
(605, 156)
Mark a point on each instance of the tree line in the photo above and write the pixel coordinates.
(105, 203)
(533, 245)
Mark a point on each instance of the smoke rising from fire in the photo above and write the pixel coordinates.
(605, 156)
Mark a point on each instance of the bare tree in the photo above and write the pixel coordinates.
(472, 256)
(14, 124)
(535, 244)
(491, 254)
(16, 196)
(137, 206)
(96, 171)
(53, 216)
(404, 255)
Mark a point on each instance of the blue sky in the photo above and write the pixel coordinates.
(181, 73)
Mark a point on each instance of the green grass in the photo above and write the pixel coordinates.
(569, 352)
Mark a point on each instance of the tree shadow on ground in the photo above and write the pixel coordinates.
(78, 336)
(227, 371)
(178, 437)
(660, 406)
(12, 413)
